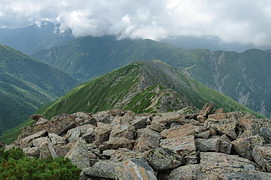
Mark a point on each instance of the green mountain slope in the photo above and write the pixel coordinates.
(242, 76)
(148, 86)
(25, 85)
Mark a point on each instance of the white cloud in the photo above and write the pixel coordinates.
(242, 21)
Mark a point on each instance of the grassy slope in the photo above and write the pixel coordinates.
(25, 85)
(242, 76)
(106, 91)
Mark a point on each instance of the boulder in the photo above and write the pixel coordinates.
(139, 122)
(207, 145)
(47, 151)
(101, 169)
(179, 131)
(221, 166)
(169, 117)
(223, 126)
(56, 139)
(82, 118)
(122, 131)
(39, 141)
(103, 117)
(244, 145)
(61, 124)
(135, 169)
(32, 151)
(188, 172)
(156, 126)
(42, 121)
(207, 109)
(262, 156)
(117, 143)
(62, 150)
(102, 133)
(164, 159)
(147, 140)
(201, 118)
(224, 144)
(182, 145)
(266, 134)
(78, 154)
(25, 141)
(123, 154)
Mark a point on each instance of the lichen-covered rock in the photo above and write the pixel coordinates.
(78, 154)
(188, 172)
(122, 131)
(224, 144)
(32, 151)
(117, 143)
(102, 133)
(207, 109)
(223, 126)
(135, 169)
(102, 169)
(262, 156)
(147, 140)
(47, 151)
(179, 131)
(169, 117)
(56, 139)
(25, 141)
(221, 166)
(244, 145)
(164, 159)
(207, 145)
(182, 145)
(139, 122)
(266, 134)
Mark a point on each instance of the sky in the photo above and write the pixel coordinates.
(232, 21)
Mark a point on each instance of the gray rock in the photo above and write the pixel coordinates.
(117, 143)
(139, 122)
(122, 131)
(147, 140)
(32, 151)
(39, 141)
(135, 169)
(25, 141)
(164, 159)
(266, 134)
(47, 151)
(262, 156)
(183, 146)
(78, 154)
(207, 145)
(102, 169)
(188, 172)
(224, 144)
(56, 139)
(244, 145)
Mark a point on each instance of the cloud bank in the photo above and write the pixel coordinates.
(242, 21)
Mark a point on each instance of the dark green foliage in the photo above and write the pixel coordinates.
(15, 165)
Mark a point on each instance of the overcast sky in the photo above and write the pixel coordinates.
(241, 21)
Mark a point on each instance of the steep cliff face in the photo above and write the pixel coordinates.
(242, 76)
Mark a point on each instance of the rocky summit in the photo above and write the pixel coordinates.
(186, 144)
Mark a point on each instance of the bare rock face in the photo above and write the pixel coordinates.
(187, 144)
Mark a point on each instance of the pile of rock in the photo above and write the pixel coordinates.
(118, 144)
